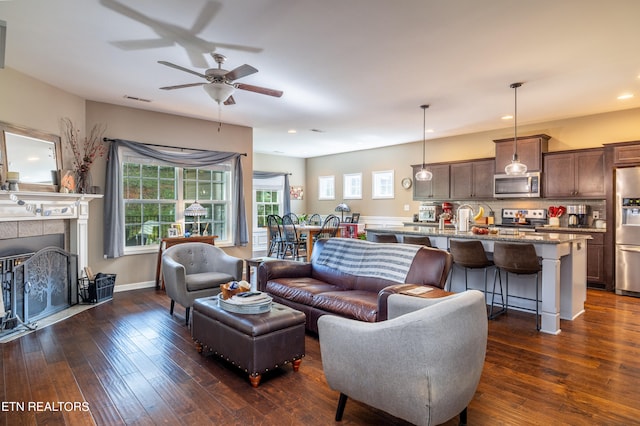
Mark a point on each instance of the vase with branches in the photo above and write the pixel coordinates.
(84, 152)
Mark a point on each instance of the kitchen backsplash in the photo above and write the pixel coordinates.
(497, 206)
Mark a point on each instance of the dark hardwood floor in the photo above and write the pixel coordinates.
(134, 364)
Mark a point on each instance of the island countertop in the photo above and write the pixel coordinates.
(562, 256)
(503, 235)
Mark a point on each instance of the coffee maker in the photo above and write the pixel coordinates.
(578, 215)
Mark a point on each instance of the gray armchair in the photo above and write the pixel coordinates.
(194, 270)
(422, 365)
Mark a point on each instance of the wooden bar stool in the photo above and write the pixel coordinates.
(470, 255)
(518, 259)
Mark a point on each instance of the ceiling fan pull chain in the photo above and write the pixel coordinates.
(219, 117)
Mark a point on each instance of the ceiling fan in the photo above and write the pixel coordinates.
(219, 82)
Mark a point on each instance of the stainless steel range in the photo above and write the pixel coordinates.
(523, 219)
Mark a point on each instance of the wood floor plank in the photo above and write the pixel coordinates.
(68, 390)
(133, 363)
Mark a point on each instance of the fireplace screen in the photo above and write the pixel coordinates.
(41, 285)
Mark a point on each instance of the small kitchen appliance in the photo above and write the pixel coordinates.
(447, 211)
(428, 213)
(578, 215)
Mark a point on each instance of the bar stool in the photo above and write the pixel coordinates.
(421, 240)
(382, 238)
(518, 259)
(470, 255)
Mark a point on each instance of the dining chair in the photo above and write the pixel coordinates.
(315, 219)
(329, 227)
(291, 244)
(294, 218)
(275, 235)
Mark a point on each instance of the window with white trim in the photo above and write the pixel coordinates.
(156, 195)
(382, 184)
(352, 189)
(267, 199)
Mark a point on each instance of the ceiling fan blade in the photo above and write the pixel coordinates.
(241, 71)
(181, 86)
(230, 101)
(142, 44)
(178, 67)
(208, 12)
(258, 89)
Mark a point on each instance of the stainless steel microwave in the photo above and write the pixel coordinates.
(524, 186)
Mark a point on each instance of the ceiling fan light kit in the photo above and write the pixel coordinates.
(219, 92)
(424, 174)
(219, 82)
(515, 168)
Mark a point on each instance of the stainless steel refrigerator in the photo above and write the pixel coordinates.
(628, 231)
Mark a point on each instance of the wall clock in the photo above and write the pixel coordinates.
(406, 183)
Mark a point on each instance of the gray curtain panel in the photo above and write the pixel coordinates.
(287, 190)
(113, 195)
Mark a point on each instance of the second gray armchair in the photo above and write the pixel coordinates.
(194, 270)
(422, 365)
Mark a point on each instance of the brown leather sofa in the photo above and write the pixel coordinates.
(329, 285)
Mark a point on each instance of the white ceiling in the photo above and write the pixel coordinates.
(353, 72)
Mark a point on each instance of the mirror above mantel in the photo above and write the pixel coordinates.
(32, 156)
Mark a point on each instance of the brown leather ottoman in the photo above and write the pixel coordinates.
(255, 343)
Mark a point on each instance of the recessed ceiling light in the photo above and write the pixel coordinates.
(507, 117)
(625, 96)
(292, 131)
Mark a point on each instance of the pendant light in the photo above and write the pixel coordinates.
(515, 168)
(424, 174)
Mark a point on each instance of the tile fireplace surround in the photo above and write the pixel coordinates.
(33, 214)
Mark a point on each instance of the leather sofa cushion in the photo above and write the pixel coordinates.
(206, 280)
(355, 304)
(301, 290)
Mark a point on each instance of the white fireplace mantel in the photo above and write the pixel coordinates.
(20, 206)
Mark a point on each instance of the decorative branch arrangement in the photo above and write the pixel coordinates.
(84, 152)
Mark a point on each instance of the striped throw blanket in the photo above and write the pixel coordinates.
(364, 258)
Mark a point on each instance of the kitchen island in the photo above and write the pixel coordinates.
(564, 269)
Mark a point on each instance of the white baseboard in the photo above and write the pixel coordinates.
(134, 286)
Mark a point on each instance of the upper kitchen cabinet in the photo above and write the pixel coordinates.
(626, 154)
(530, 149)
(435, 189)
(472, 179)
(574, 174)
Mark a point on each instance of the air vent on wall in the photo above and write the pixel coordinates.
(134, 98)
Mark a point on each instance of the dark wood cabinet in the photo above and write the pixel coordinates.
(435, 189)
(596, 265)
(627, 154)
(530, 150)
(574, 174)
(472, 179)
(595, 259)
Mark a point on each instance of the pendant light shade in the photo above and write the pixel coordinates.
(515, 168)
(424, 174)
(219, 92)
